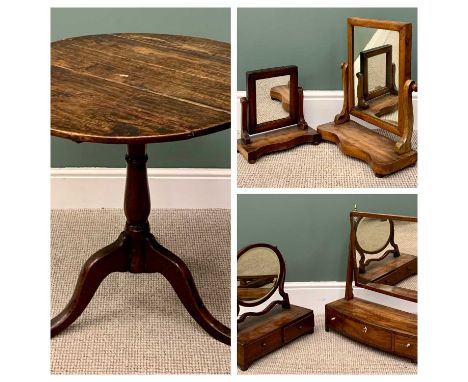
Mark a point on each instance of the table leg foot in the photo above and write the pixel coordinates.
(112, 258)
(161, 260)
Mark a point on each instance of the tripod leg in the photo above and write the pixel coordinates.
(161, 260)
(112, 258)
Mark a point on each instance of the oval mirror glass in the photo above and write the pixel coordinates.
(373, 235)
(258, 272)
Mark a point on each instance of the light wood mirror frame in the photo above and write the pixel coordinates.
(404, 128)
(383, 154)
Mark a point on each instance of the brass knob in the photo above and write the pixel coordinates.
(333, 318)
(300, 326)
(264, 344)
(365, 329)
(408, 345)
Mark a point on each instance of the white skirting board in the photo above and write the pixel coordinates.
(314, 295)
(170, 188)
(321, 106)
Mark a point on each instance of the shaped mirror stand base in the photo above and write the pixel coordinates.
(362, 143)
(276, 140)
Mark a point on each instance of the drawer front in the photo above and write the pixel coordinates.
(406, 346)
(361, 332)
(292, 331)
(262, 346)
(399, 274)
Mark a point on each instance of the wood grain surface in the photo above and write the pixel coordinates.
(359, 142)
(139, 88)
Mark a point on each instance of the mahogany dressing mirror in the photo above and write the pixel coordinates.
(272, 113)
(260, 276)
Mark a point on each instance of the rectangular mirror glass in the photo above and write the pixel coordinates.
(376, 63)
(385, 254)
(272, 98)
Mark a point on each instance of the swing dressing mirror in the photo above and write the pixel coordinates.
(260, 273)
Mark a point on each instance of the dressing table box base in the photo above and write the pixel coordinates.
(376, 325)
(260, 335)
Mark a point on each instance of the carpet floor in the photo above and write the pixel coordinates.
(329, 353)
(135, 324)
(321, 166)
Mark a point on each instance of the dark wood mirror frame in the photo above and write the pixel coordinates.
(385, 328)
(252, 78)
(260, 333)
(363, 92)
(407, 264)
(381, 153)
(280, 134)
(279, 285)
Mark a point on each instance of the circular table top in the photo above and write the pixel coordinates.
(139, 88)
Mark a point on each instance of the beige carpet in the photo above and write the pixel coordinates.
(135, 324)
(329, 353)
(321, 166)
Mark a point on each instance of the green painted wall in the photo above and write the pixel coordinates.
(314, 39)
(211, 151)
(311, 231)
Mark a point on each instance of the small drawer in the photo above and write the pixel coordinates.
(264, 345)
(332, 320)
(406, 346)
(303, 326)
(368, 334)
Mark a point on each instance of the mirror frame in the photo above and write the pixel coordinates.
(404, 69)
(355, 216)
(389, 73)
(279, 285)
(362, 252)
(252, 77)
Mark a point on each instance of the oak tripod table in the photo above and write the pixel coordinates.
(137, 89)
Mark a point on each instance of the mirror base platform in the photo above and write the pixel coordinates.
(258, 336)
(376, 325)
(362, 143)
(276, 140)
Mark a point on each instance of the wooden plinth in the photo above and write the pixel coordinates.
(362, 143)
(260, 335)
(385, 328)
(276, 140)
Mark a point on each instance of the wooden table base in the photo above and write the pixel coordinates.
(137, 251)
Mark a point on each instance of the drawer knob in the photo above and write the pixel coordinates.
(264, 344)
(333, 318)
(365, 329)
(408, 345)
(300, 326)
